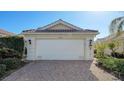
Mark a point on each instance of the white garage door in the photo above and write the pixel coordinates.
(59, 49)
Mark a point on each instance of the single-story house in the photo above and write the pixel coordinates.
(5, 33)
(59, 40)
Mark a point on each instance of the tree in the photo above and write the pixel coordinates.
(113, 46)
(116, 25)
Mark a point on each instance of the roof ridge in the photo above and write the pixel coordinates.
(60, 20)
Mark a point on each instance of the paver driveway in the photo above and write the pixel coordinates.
(60, 70)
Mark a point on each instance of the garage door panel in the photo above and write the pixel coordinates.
(59, 49)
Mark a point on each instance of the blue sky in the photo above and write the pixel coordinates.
(17, 21)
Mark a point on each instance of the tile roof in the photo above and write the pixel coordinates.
(61, 30)
(4, 32)
(45, 28)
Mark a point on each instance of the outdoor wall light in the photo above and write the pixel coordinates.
(90, 43)
(29, 41)
(25, 42)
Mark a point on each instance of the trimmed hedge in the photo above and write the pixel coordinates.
(2, 69)
(120, 66)
(9, 53)
(112, 64)
(11, 63)
(13, 42)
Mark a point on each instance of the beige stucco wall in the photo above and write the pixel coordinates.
(31, 54)
(2, 35)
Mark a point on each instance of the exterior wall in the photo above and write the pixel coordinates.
(31, 48)
(89, 51)
(2, 35)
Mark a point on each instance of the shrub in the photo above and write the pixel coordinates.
(119, 66)
(13, 42)
(117, 55)
(11, 63)
(100, 61)
(9, 53)
(2, 69)
(2, 45)
(112, 64)
(99, 50)
(108, 63)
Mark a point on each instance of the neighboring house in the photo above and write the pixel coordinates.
(5, 33)
(59, 40)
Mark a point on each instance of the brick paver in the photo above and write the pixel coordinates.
(60, 71)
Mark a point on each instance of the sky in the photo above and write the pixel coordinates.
(17, 21)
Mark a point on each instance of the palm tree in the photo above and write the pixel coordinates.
(116, 29)
(116, 26)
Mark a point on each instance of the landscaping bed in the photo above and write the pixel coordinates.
(112, 65)
(109, 58)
